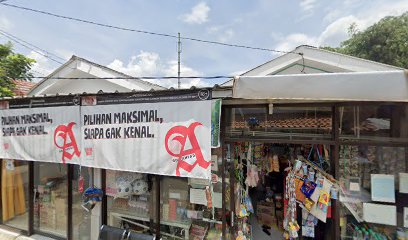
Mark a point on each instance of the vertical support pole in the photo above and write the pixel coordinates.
(101, 175)
(157, 206)
(1, 195)
(232, 188)
(224, 185)
(70, 169)
(179, 61)
(335, 151)
(31, 198)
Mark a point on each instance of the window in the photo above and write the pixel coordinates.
(14, 189)
(51, 194)
(192, 208)
(130, 197)
(280, 122)
(374, 123)
(81, 219)
(370, 176)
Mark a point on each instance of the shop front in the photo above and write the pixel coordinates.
(331, 157)
(144, 152)
(312, 169)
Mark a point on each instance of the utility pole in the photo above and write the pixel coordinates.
(178, 52)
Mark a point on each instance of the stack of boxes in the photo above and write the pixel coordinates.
(266, 214)
(52, 208)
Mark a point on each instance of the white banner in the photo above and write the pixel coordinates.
(49, 134)
(167, 138)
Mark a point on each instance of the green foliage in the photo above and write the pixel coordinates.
(12, 66)
(385, 42)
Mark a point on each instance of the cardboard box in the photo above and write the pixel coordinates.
(267, 204)
(61, 205)
(267, 220)
(260, 209)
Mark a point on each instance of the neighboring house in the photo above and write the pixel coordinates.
(22, 87)
(314, 60)
(89, 79)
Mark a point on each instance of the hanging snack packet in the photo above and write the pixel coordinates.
(243, 212)
(311, 175)
(299, 195)
(319, 182)
(248, 204)
(304, 167)
(324, 197)
(308, 188)
(308, 231)
(308, 204)
(334, 193)
(323, 202)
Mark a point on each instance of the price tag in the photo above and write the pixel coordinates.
(81, 184)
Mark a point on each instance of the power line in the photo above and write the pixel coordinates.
(28, 47)
(34, 71)
(144, 32)
(32, 45)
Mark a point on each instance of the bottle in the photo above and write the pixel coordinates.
(355, 233)
(373, 235)
(367, 235)
(360, 235)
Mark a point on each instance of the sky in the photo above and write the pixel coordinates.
(272, 24)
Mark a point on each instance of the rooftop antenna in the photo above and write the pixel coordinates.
(179, 53)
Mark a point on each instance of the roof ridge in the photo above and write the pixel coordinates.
(74, 57)
(354, 57)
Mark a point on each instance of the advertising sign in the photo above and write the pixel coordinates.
(166, 138)
(49, 134)
(215, 123)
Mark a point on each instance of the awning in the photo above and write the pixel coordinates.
(390, 86)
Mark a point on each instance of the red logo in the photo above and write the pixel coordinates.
(88, 151)
(180, 134)
(69, 147)
(6, 146)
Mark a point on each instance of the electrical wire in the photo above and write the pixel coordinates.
(28, 47)
(143, 31)
(34, 71)
(32, 45)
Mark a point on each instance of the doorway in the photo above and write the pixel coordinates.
(259, 173)
(51, 199)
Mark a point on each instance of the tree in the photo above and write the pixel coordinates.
(12, 66)
(386, 41)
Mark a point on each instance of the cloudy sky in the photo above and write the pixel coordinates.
(273, 24)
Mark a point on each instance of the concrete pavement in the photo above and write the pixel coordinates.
(9, 235)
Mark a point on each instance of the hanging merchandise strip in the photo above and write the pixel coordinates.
(290, 223)
(243, 152)
(316, 188)
(341, 191)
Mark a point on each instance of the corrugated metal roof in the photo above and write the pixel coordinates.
(100, 92)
